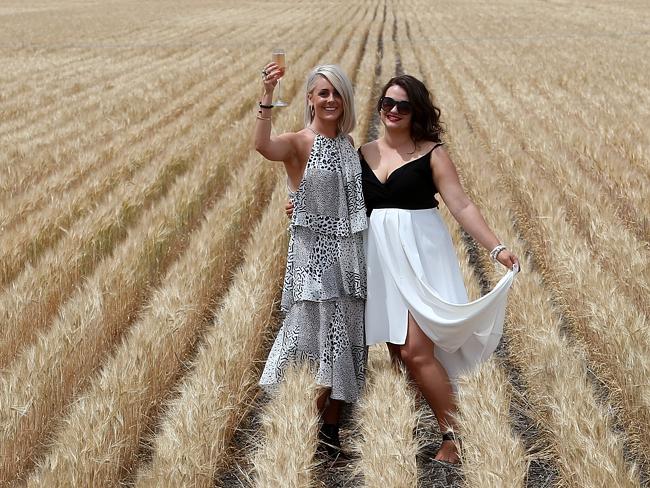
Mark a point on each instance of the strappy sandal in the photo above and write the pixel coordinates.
(330, 443)
(450, 435)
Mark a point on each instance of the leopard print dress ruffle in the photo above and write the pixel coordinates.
(325, 280)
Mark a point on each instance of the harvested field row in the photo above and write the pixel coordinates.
(143, 242)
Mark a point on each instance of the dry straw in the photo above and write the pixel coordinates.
(69, 165)
(289, 428)
(181, 452)
(127, 270)
(41, 380)
(36, 294)
(568, 140)
(143, 368)
(612, 331)
(199, 424)
(43, 230)
(386, 418)
(491, 455)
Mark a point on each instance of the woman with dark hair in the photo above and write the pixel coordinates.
(416, 300)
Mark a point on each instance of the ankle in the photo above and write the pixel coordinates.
(329, 433)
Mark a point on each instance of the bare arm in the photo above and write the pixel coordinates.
(274, 148)
(462, 208)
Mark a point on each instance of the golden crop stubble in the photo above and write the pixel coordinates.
(137, 377)
(491, 455)
(122, 65)
(598, 224)
(562, 397)
(196, 461)
(389, 56)
(126, 100)
(274, 438)
(289, 419)
(110, 35)
(70, 158)
(233, 107)
(614, 333)
(112, 112)
(385, 421)
(365, 80)
(47, 226)
(111, 115)
(157, 119)
(29, 304)
(191, 447)
(34, 297)
(41, 380)
(609, 128)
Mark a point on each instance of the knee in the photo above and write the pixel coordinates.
(415, 358)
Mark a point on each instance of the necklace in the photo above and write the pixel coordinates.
(319, 134)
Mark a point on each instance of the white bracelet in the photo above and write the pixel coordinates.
(495, 252)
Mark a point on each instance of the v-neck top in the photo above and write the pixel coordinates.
(409, 186)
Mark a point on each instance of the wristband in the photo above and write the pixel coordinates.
(495, 252)
(265, 106)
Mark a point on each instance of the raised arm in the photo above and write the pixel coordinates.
(274, 148)
(462, 208)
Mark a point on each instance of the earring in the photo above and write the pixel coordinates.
(312, 111)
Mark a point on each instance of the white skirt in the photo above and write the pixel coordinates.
(412, 266)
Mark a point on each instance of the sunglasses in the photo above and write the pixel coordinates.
(403, 107)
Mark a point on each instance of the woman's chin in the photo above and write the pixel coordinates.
(330, 116)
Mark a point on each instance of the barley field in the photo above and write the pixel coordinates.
(143, 241)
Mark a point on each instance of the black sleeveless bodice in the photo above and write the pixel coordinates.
(409, 187)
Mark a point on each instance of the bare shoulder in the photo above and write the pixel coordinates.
(292, 138)
(440, 157)
(369, 150)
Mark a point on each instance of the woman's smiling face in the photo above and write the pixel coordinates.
(327, 101)
(392, 119)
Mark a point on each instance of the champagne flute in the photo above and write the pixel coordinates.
(278, 57)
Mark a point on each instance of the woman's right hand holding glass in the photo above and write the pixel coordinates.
(270, 76)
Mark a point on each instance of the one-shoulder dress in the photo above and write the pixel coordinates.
(413, 267)
(323, 296)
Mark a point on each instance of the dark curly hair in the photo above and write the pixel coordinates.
(425, 119)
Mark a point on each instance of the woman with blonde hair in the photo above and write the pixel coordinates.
(324, 291)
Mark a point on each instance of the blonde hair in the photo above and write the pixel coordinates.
(341, 83)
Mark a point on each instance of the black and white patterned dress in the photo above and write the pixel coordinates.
(324, 291)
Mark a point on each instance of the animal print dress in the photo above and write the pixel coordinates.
(324, 291)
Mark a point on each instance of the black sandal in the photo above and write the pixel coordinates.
(329, 441)
(450, 435)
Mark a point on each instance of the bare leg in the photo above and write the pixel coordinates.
(432, 381)
(393, 350)
(329, 409)
(328, 435)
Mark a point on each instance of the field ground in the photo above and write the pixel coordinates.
(142, 241)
